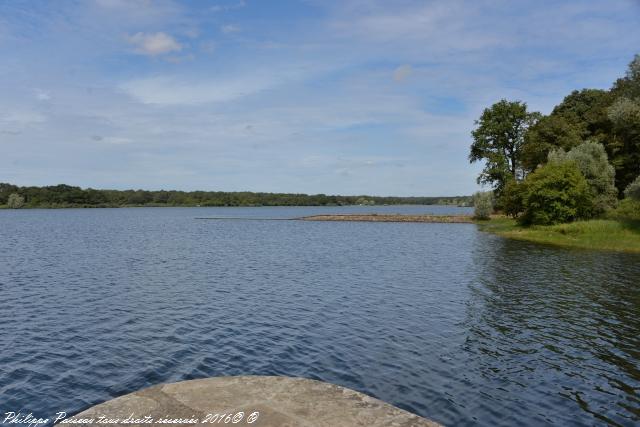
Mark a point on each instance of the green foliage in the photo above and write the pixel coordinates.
(629, 85)
(580, 116)
(586, 111)
(65, 196)
(550, 133)
(5, 191)
(555, 193)
(609, 117)
(482, 204)
(591, 158)
(633, 190)
(498, 138)
(580, 179)
(364, 201)
(624, 115)
(15, 201)
(511, 199)
(627, 210)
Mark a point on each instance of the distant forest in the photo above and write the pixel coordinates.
(65, 196)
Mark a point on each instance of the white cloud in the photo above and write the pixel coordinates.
(136, 13)
(208, 46)
(116, 140)
(154, 44)
(23, 117)
(322, 103)
(229, 28)
(442, 25)
(402, 72)
(174, 91)
(42, 95)
(224, 8)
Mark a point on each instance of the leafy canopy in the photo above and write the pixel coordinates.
(592, 161)
(498, 139)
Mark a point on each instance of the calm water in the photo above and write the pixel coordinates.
(460, 326)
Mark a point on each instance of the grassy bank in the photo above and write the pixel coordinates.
(600, 234)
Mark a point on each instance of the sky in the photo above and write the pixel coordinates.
(370, 97)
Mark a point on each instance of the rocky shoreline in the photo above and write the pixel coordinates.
(457, 219)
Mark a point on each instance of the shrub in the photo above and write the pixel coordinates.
(556, 193)
(15, 201)
(591, 158)
(511, 198)
(627, 210)
(633, 190)
(483, 204)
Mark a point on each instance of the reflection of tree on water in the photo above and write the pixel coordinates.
(542, 319)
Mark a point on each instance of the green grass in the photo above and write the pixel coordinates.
(600, 234)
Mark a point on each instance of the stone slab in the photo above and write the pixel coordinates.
(263, 401)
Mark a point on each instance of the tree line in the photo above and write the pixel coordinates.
(66, 196)
(580, 161)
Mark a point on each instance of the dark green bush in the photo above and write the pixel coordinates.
(556, 193)
(511, 198)
(627, 210)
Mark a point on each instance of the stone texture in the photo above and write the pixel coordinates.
(280, 402)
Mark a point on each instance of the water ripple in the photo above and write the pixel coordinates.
(456, 325)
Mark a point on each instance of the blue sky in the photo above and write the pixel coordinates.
(314, 96)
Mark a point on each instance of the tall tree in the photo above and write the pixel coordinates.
(624, 114)
(498, 139)
(550, 133)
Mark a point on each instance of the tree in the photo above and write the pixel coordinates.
(483, 204)
(511, 198)
(555, 193)
(498, 139)
(629, 85)
(591, 159)
(15, 201)
(549, 133)
(633, 190)
(625, 116)
(586, 111)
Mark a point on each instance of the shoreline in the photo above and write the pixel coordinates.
(448, 219)
(596, 234)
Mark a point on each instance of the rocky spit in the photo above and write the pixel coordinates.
(392, 218)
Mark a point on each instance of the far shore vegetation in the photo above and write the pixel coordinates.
(571, 178)
(66, 196)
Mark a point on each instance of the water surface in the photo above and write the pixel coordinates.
(440, 319)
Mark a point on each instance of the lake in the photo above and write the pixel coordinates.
(456, 325)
